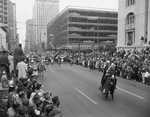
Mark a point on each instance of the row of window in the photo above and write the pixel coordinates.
(130, 2)
(89, 27)
(84, 20)
(92, 13)
(1, 7)
(91, 34)
(106, 41)
(81, 47)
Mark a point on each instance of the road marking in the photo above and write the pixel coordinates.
(85, 95)
(71, 69)
(51, 71)
(74, 70)
(131, 93)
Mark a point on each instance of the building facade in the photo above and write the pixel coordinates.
(133, 24)
(83, 28)
(15, 25)
(29, 41)
(11, 28)
(3, 13)
(8, 23)
(3, 24)
(3, 43)
(44, 39)
(43, 12)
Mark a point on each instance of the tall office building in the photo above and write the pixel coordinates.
(7, 24)
(29, 42)
(15, 25)
(3, 24)
(133, 24)
(3, 12)
(10, 25)
(43, 12)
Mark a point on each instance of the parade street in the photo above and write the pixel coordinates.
(77, 88)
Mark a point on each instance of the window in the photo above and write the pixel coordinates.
(5, 13)
(130, 38)
(5, 8)
(131, 18)
(130, 2)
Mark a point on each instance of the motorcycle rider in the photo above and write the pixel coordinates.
(106, 66)
(110, 81)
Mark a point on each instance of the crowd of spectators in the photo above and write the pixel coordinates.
(27, 99)
(21, 93)
(130, 64)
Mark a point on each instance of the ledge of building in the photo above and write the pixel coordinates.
(133, 46)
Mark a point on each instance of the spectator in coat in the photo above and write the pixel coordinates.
(18, 53)
(56, 110)
(4, 63)
(48, 110)
(47, 100)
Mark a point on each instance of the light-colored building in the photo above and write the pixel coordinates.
(3, 44)
(29, 41)
(44, 38)
(43, 12)
(133, 24)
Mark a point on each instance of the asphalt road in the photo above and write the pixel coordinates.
(78, 90)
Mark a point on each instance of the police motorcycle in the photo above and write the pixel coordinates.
(109, 82)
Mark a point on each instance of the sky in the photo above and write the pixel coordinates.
(24, 10)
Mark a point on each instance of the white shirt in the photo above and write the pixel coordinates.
(146, 75)
(11, 112)
(22, 70)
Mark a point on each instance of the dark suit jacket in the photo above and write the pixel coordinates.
(18, 51)
(4, 60)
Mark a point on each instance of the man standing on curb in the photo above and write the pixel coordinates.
(18, 54)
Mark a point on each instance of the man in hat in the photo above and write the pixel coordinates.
(18, 53)
(106, 66)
